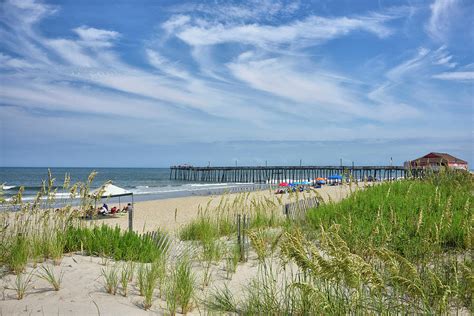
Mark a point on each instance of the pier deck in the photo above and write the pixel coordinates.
(275, 174)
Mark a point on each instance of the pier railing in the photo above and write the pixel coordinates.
(276, 174)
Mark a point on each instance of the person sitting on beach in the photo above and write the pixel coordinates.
(103, 211)
(113, 210)
(128, 208)
(106, 207)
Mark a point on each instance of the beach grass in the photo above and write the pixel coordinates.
(113, 242)
(110, 278)
(22, 284)
(399, 247)
(417, 219)
(47, 274)
(126, 276)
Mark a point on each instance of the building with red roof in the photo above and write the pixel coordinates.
(436, 160)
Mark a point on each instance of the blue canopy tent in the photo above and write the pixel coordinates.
(335, 179)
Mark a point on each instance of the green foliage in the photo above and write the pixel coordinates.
(222, 300)
(111, 279)
(17, 256)
(149, 277)
(47, 274)
(115, 243)
(185, 285)
(205, 227)
(22, 284)
(126, 275)
(262, 218)
(232, 259)
(416, 218)
(221, 221)
(55, 247)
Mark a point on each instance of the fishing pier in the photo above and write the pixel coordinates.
(276, 174)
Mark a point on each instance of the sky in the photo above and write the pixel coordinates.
(158, 83)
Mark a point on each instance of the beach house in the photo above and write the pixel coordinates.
(436, 160)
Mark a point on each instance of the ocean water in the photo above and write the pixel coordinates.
(145, 183)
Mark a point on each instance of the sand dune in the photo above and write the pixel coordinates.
(83, 293)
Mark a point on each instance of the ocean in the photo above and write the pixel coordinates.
(145, 183)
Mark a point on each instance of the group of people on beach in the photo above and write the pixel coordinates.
(104, 210)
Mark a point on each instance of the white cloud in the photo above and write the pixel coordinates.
(307, 32)
(456, 75)
(31, 11)
(397, 73)
(72, 52)
(11, 62)
(236, 94)
(442, 57)
(242, 11)
(160, 62)
(316, 93)
(96, 37)
(441, 18)
(175, 22)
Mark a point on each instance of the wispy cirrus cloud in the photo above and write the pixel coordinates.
(310, 31)
(241, 11)
(93, 37)
(442, 12)
(456, 75)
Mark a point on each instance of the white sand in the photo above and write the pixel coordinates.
(150, 215)
(82, 291)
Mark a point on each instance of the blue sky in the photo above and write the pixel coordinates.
(155, 83)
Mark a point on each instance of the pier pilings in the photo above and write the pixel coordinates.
(276, 174)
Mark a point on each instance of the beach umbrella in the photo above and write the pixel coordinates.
(283, 184)
(335, 177)
(320, 179)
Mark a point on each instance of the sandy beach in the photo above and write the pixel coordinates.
(150, 215)
(82, 291)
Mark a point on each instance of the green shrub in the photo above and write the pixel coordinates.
(115, 243)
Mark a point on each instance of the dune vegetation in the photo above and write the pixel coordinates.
(399, 247)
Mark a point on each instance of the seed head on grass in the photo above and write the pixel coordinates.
(47, 274)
